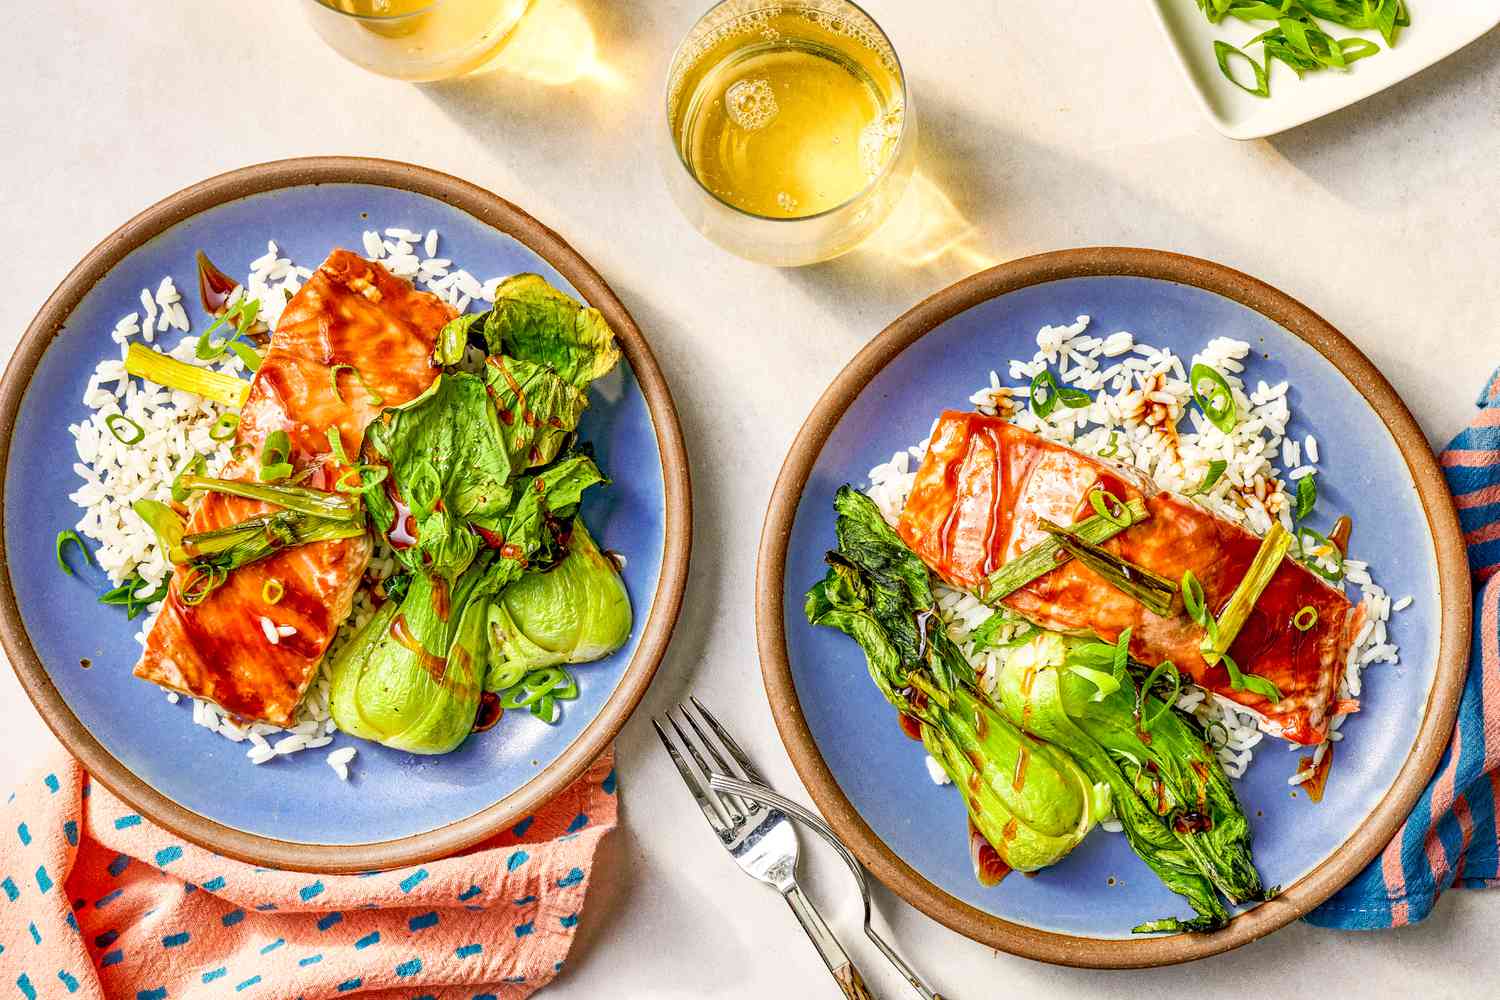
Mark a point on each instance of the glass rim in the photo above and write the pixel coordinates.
(874, 182)
(328, 5)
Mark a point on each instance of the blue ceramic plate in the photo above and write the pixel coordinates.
(398, 807)
(871, 780)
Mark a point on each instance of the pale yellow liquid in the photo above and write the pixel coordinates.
(788, 114)
(420, 39)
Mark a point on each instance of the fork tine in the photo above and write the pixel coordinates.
(727, 803)
(739, 755)
(745, 805)
(704, 798)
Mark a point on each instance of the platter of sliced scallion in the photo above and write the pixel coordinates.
(1259, 67)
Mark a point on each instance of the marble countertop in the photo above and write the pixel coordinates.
(1046, 124)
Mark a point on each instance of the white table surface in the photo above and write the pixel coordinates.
(1049, 124)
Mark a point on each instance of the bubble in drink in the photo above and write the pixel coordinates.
(786, 202)
(751, 104)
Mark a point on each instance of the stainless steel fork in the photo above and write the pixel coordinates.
(761, 840)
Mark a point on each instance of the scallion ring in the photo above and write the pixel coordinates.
(1193, 598)
(545, 708)
(1112, 449)
(1165, 666)
(1110, 507)
(195, 467)
(63, 538)
(371, 396)
(224, 428)
(1043, 394)
(133, 433)
(275, 457)
(272, 591)
(199, 582)
(1305, 618)
(1218, 403)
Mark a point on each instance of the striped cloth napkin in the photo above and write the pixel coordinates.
(1450, 839)
(97, 902)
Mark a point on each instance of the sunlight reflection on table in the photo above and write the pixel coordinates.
(927, 230)
(554, 45)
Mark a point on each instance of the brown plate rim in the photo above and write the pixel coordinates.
(1376, 830)
(506, 218)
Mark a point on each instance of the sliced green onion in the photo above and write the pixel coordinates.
(129, 596)
(1273, 548)
(336, 445)
(1211, 475)
(275, 453)
(313, 502)
(199, 582)
(194, 467)
(371, 396)
(240, 317)
(167, 525)
(224, 428)
(1151, 590)
(1313, 561)
(545, 708)
(247, 355)
(1112, 449)
(1223, 52)
(1254, 683)
(1192, 598)
(1218, 403)
(1163, 667)
(1073, 399)
(1109, 507)
(1305, 618)
(272, 591)
(1307, 495)
(1103, 680)
(63, 538)
(333, 380)
(115, 421)
(1043, 394)
(154, 366)
(567, 690)
(1048, 554)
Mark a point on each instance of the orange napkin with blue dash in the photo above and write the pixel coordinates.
(98, 902)
(1450, 839)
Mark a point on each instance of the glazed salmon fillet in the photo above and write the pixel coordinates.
(976, 504)
(350, 312)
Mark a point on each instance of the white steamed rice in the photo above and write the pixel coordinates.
(176, 428)
(1141, 395)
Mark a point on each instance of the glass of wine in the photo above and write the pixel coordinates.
(790, 129)
(416, 40)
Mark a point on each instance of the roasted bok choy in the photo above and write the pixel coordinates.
(480, 501)
(1074, 733)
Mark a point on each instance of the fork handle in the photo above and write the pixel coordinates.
(844, 973)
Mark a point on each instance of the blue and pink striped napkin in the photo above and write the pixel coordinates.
(1451, 838)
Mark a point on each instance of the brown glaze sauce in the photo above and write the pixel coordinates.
(1339, 536)
(214, 286)
(1018, 781)
(435, 666)
(489, 712)
(989, 869)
